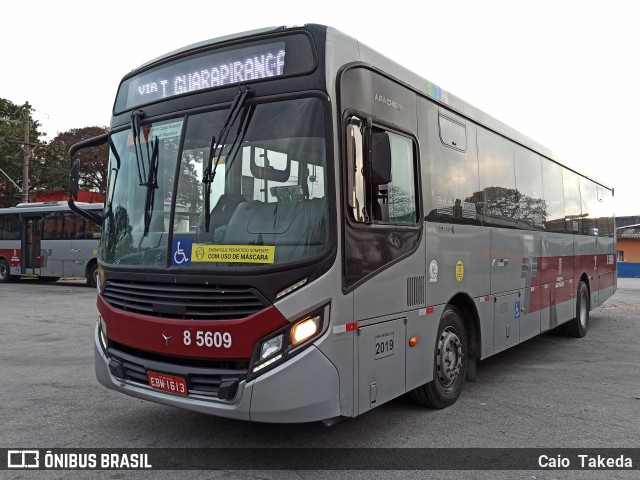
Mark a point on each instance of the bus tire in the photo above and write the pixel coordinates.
(449, 363)
(578, 326)
(5, 271)
(92, 275)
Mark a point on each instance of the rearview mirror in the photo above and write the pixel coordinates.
(74, 179)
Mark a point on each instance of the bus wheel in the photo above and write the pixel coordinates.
(5, 271)
(92, 275)
(579, 325)
(449, 366)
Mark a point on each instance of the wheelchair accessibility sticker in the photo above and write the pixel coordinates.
(181, 252)
(184, 253)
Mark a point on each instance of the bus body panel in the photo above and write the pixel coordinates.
(462, 261)
(381, 362)
(606, 268)
(586, 263)
(338, 345)
(392, 290)
(11, 251)
(305, 389)
(56, 254)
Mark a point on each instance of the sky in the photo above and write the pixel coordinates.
(565, 73)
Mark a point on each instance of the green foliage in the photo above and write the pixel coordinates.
(93, 160)
(11, 132)
(50, 163)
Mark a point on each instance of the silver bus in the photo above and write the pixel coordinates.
(298, 229)
(47, 240)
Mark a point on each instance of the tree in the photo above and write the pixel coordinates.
(11, 153)
(510, 204)
(50, 165)
(93, 160)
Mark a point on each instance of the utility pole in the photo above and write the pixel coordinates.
(26, 123)
(27, 149)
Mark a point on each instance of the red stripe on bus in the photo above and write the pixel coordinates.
(12, 255)
(167, 336)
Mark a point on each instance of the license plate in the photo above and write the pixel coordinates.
(168, 383)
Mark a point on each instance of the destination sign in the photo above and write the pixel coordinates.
(205, 71)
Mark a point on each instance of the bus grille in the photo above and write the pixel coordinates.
(184, 301)
(219, 382)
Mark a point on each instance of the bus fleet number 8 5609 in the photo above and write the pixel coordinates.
(208, 339)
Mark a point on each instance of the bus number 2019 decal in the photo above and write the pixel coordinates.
(384, 345)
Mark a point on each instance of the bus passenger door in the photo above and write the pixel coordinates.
(31, 258)
(54, 247)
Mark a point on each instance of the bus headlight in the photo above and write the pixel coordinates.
(287, 342)
(304, 329)
(270, 347)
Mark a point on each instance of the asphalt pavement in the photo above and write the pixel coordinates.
(551, 391)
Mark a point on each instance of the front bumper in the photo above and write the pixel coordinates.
(303, 389)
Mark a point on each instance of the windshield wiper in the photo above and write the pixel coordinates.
(152, 186)
(135, 128)
(210, 171)
(150, 179)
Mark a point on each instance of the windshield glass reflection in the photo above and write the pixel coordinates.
(266, 205)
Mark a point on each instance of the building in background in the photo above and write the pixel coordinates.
(627, 220)
(628, 250)
(83, 196)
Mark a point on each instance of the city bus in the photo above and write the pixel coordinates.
(298, 229)
(48, 241)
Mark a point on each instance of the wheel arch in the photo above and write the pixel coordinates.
(585, 278)
(90, 265)
(467, 308)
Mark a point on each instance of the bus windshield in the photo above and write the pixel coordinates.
(266, 182)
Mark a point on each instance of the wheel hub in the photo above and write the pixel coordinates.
(449, 356)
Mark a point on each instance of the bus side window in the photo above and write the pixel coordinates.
(398, 197)
(387, 193)
(91, 230)
(12, 227)
(52, 226)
